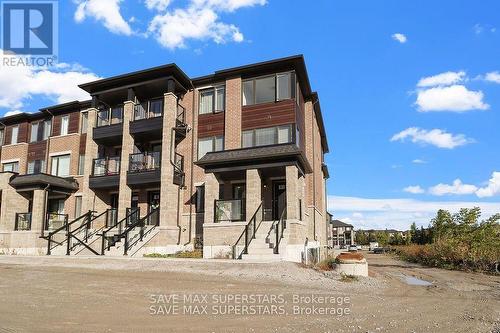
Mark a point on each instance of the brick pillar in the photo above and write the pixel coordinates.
(169, 195)
(292, 191)
(232, 131)
(211, 194)
(38, 211)
(253, 192)
(125, 193)
(90, 154)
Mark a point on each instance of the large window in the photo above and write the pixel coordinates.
(11, 167)
(60, 165)
(2, 136)
(47, 129)
(270, 88)
(36, 167)
(267, 136)
(207, 145)
(81, 164)
(213, 100)
(200, 199)
(40, 130)
(14, 135)
(34, 132)
(85, 122)
(64, 125)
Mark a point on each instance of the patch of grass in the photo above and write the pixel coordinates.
(348, 278)
(327, 264)
(197, 254)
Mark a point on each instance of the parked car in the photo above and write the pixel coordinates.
(352, 248)
(379, 250)
(373, 245)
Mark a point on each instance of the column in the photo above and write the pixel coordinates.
(125, 193)
(292, 188)
(253, 192)
(211, 194)
(38, 211)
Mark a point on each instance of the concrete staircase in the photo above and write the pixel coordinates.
(262, 247)
(117, 250)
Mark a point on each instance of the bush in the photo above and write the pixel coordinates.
(348, 278)
(327, 264)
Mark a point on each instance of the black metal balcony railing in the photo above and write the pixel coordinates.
(180, 120)
(23, 222)
(145, 161)
(55, 221)
(229, 211)
(179, 163)
(108, 117)
(150, 109)
(106, 166)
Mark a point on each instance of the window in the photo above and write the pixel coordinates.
(156, 108)
(267, 136)
(47, 129)
(36, 167)
(117, 115)
(213, 100)
(269, 89)
(64, 125)
(207, 145)
(200, 199)
(2, 136)
(14, 136)
(34, 132)
(85, 122)
(81, 164)
(78, 207)
(60, 165)
(11, 167)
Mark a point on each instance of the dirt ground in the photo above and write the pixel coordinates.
(59, 294)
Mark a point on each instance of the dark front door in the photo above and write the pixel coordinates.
(279, 199)
(154, 208)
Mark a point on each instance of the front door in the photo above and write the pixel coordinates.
(134, 209)
(154, 205)
(279, 199)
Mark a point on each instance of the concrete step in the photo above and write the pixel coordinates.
(261, 257)
(260, 251)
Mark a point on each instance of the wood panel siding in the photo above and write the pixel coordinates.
(56, 126)
(37, 150)
(211, 124)
(83, 143)
(268, 114)
(8, 135)
(74, 122)
(23, 132)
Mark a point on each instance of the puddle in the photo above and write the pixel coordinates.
(413, 281)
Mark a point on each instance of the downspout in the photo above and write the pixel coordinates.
(314, 176)
(3, 139)
(191, 182)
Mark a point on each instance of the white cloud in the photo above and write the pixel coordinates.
(419, 161)
(493, 77)
(443, 79)
(455, 98)
(457, 188)
(399, 213)
(400, 38)
(12, 113)
(160, 5)
(414, 189)
(493, 187)
(228, 5)
(20, 83)
(435, 137)
(357, 215)
(105, 11)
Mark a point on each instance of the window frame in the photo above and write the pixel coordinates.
(13, 163)
(276, 135)
(292, 87)
(64, 119)
(2, 135)
(81, 165)
(214, 89)
(58, 157)
(84, 123)
(214, 144)
(16, 127)
(199, 204)
(34, 138)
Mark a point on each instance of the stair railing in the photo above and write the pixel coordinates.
(85, 229)
(248, 233)
(141, 223)
(280, 227)
(115, 238)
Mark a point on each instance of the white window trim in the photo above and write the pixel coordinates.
(10, 161)
(60, 153)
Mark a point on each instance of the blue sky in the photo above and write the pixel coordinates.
(423, 73)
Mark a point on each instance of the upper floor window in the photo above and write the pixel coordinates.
(213, 100)
(2, 136)
(36, 167)
(85, 122)
(81, 164)
(207, 145)
(60, 165)
(34, 132)
(64, 125)
(110, 116)
(267, 136)
(11, 167)
(40, 130)
(14, 135)
(270, 88)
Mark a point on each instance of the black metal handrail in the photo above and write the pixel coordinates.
(180, 120)
(144, 161)
(113, 239)
(66, 227)
(141, 223)
(229, 210)
(23, 222)
(106, 166)
(55, 218)
(248, 233)
(84, 228)
(280, 227)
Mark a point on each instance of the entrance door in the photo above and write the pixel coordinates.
(154, 205)
(279, 198)
(55, 214)
(134, 209)
(112, 217)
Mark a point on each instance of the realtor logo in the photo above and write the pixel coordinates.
(29, 27)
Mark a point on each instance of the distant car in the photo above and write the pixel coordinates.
(379, 250)
(353, 248)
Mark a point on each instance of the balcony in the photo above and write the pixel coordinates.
(144, 169)
(105, 173)
(109, 126)
(229, 211)
(55, 221)
(147, 122)
(178, 169)
(23, 222)
(180, 124)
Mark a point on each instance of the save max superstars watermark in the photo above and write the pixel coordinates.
(29, 32)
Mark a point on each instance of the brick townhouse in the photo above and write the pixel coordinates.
(157, 162)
